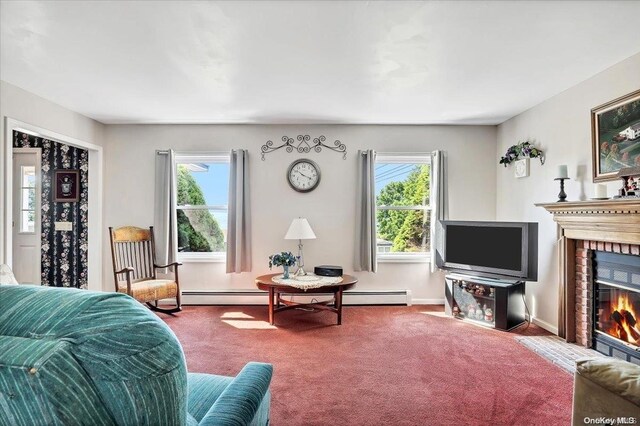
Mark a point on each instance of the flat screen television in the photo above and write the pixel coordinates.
(502, 250)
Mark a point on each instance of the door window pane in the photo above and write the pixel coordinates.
(28, 201)
(27, 221)
(27, 216)
(28, 176)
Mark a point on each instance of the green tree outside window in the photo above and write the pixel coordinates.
(408, 230)
(198, 230)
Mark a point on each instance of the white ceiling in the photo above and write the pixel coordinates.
(474, 62)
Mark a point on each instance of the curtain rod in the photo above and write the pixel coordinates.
(194, 153)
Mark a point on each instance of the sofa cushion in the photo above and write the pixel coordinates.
(619, 377)
(134, 360)
(36, 365)
(72, 357)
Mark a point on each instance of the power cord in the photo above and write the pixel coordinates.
(313, 300)
(527, 316)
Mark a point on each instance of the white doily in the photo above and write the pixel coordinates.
(307, 282)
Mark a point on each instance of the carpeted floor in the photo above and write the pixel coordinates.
(388, 365)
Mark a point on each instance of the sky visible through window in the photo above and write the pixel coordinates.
(391, 172)
(215, 186)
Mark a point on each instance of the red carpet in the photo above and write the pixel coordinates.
(383, 366)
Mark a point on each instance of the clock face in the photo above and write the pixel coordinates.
(303, 175)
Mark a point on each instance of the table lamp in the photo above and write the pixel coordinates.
(300, 230)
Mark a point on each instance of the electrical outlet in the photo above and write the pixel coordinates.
(64, 226)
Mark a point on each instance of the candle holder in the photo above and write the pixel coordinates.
(562, 196)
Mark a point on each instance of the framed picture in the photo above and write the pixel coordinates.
(615, 134)
(522, 168)
(66, 186)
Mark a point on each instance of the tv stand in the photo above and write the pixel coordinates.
(485, 301)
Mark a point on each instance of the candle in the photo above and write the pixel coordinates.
(562, 172)
(601, 191)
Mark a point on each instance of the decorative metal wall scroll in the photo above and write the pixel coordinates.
(303, 146)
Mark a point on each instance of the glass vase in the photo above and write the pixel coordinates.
(285, 275)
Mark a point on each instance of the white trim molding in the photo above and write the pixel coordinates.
(404, 258)
(257, 297)
(540, 323)
(428, 301)
(95, 195)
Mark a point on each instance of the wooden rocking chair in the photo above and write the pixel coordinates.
(134, 256)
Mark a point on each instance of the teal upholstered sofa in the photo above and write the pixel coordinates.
(71, 357)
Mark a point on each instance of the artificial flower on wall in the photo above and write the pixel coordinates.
(521, 150)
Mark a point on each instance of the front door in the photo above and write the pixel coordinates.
(26, 215)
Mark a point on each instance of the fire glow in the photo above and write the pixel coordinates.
(623, 322)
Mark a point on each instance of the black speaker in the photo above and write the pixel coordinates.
(328, 271)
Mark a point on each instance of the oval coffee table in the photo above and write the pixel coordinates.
(266, 283)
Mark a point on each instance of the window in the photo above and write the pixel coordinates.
(402, 203)
(203, 185)
(27, 199)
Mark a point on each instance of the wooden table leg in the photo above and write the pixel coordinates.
(271, 293)
(339, 305)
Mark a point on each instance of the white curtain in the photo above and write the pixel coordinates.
(438, 203)
(165, 220)
(365, 255)
(239, 217)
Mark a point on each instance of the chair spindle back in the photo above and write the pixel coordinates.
(133, 247)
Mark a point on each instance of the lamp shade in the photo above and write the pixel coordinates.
(300, 230)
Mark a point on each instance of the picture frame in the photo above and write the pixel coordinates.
(66, 186)
(615, 136)
(522, 168)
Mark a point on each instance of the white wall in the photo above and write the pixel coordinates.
(26, 107)
(561, 126)
(330, 209)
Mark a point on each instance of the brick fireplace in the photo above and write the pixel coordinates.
(609, 226)
(585, 283)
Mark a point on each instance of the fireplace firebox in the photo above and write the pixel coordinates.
(616, 305)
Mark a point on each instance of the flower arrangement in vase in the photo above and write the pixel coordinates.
(521, 150)
(284, 259)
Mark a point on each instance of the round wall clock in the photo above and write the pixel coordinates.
(303, 175)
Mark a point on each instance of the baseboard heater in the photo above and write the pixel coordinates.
(252, 297)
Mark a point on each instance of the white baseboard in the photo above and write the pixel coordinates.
(400, 297)
(251, 297)
(428, 301)
(545, 325)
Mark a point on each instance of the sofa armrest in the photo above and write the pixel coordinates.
(618, 377)
(605, 388)
(239, 402)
